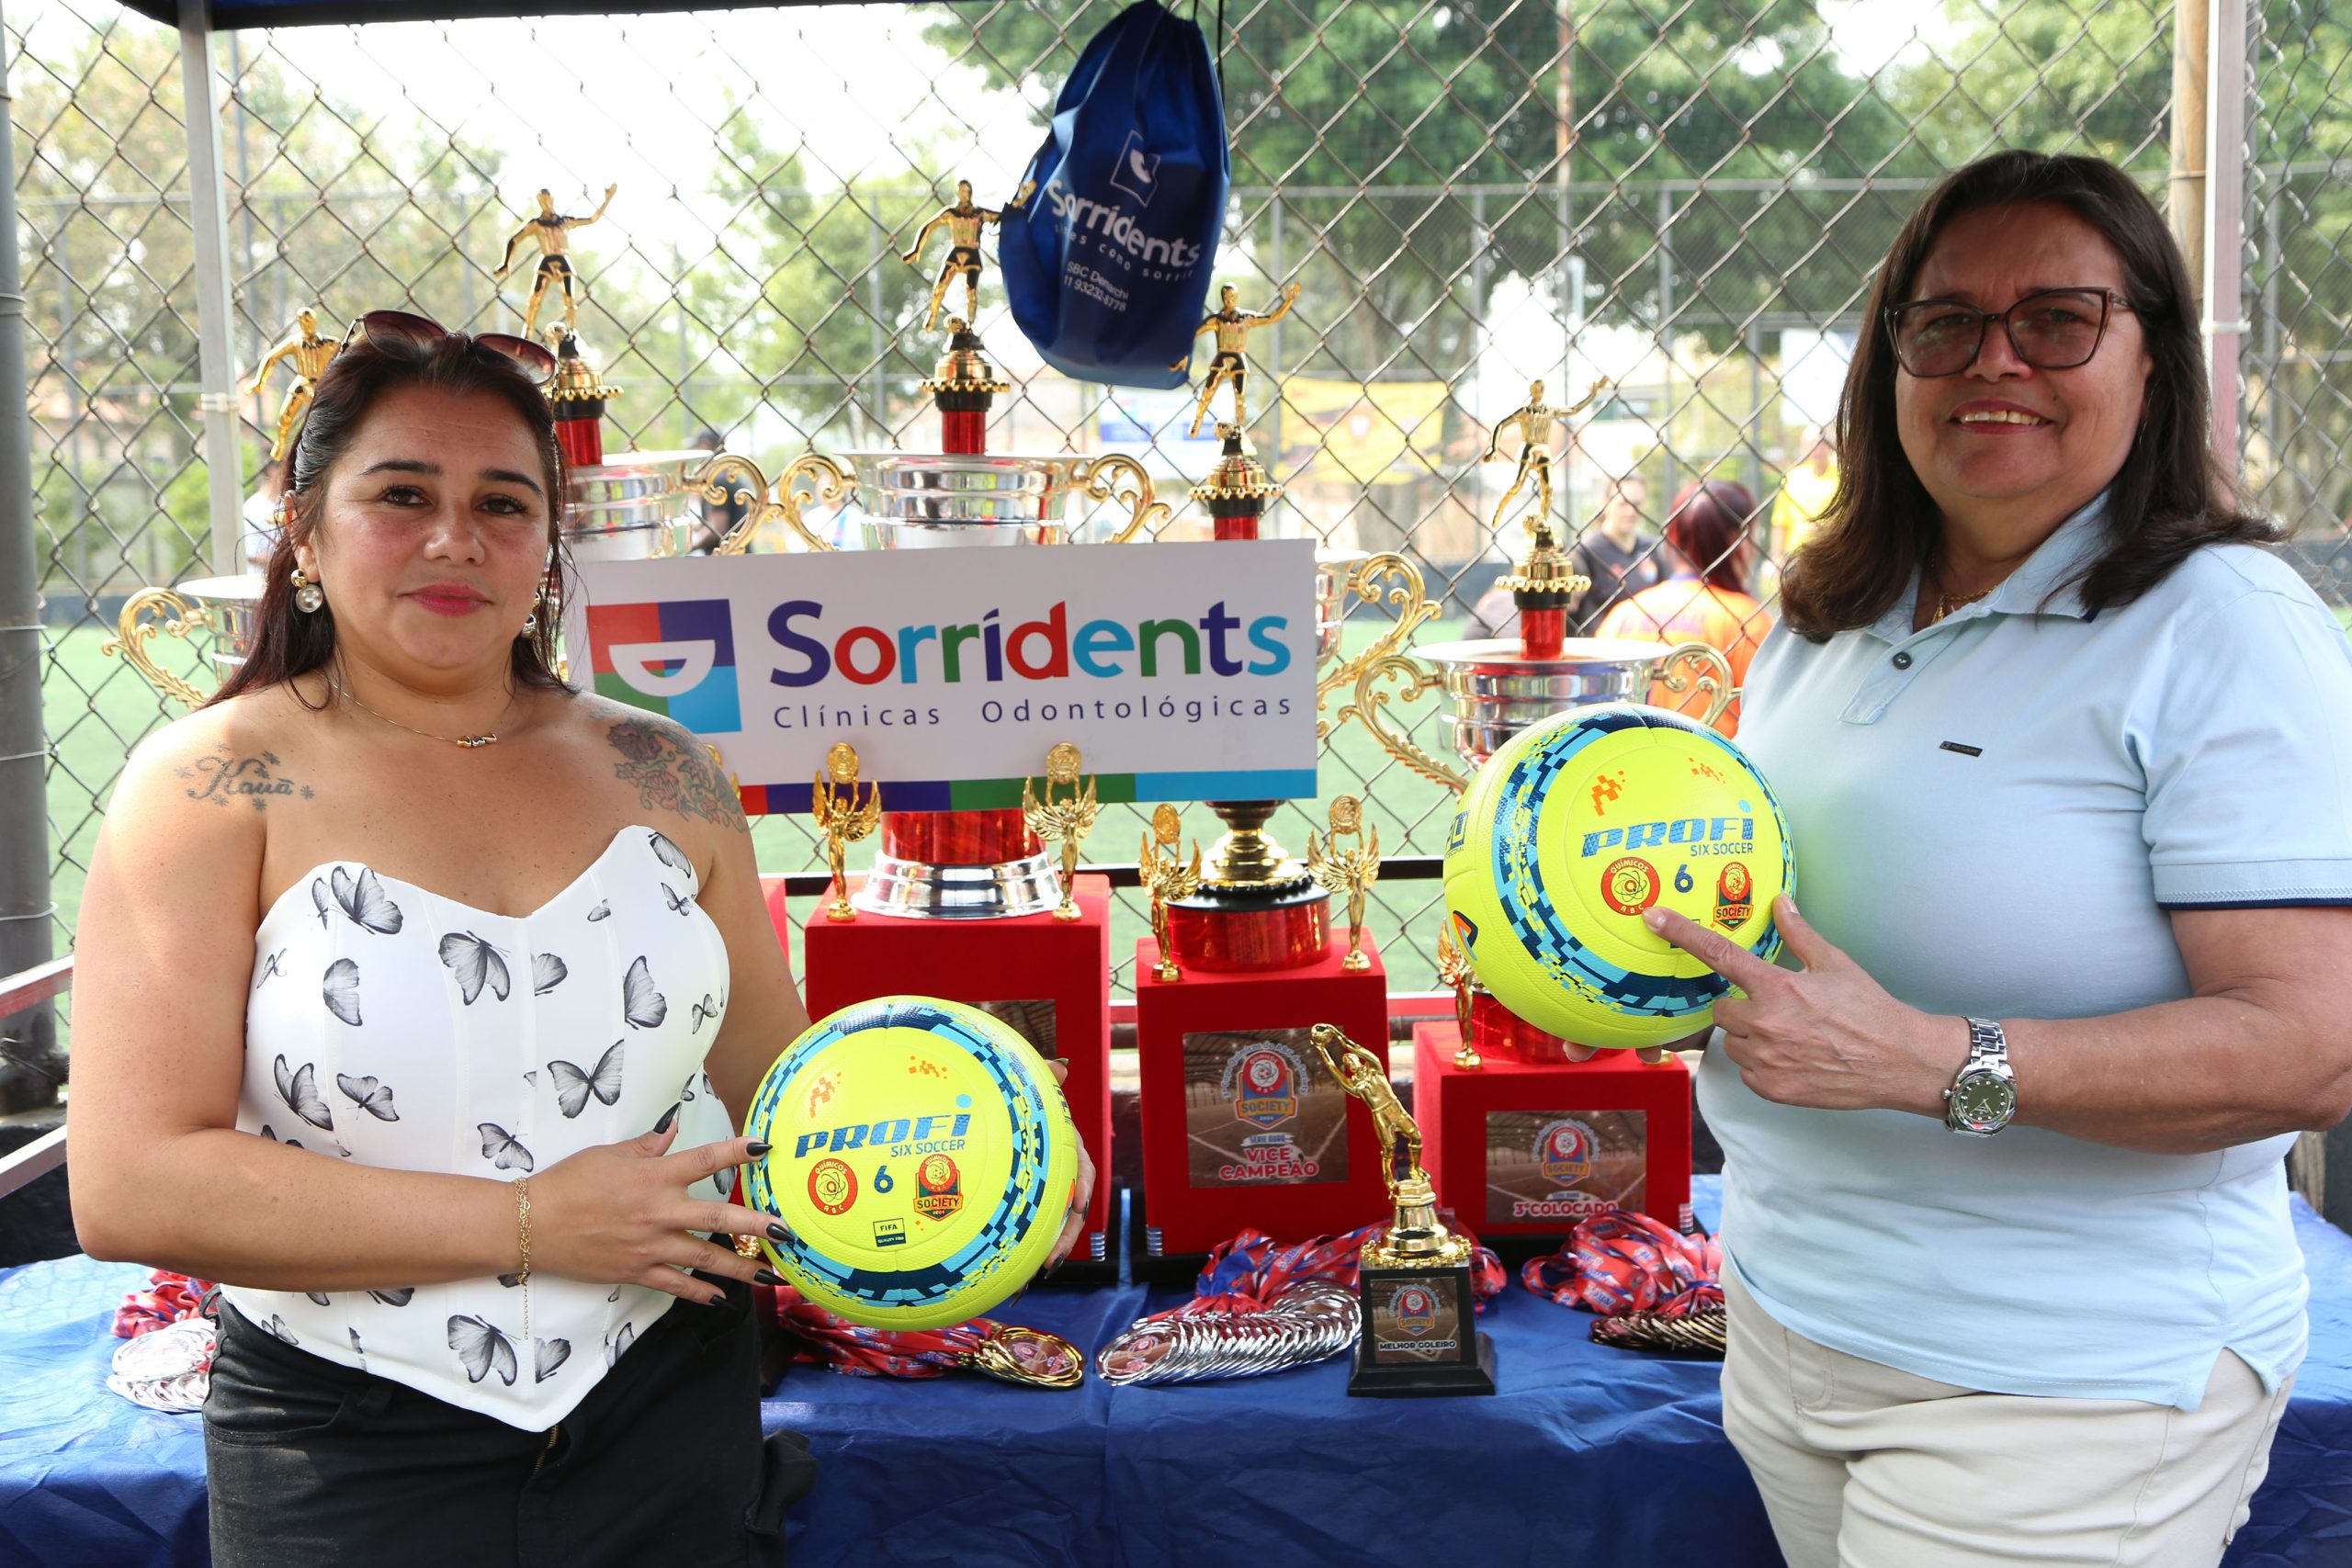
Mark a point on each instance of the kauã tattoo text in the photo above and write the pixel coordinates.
(223, 778)
(674, 775)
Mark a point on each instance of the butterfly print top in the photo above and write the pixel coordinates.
(397, 1028)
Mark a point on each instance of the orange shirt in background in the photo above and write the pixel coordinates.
(1684, 609)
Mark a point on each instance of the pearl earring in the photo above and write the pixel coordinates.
(308, 595)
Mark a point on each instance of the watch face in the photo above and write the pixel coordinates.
(1984, 1102)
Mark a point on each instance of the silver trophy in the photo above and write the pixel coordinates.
(631, 506)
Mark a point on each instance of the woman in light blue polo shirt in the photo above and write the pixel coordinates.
(2067, 762)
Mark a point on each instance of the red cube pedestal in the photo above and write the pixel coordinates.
(1242, 1124)
(1050, 979)
(1528, 1148)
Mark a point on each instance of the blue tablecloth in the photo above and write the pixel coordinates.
(1587, 1456)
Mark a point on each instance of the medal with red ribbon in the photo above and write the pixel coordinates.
(1621, 1262)
(168, 1298)
(1005, 1351)
(1245, 1273)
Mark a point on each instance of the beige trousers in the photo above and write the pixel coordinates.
(1863, 1466)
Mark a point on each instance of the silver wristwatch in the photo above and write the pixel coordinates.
(1984, 1097)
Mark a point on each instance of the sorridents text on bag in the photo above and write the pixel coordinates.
(1119, 226)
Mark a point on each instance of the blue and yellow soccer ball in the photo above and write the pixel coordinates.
(1578, 825)
(922, 1156)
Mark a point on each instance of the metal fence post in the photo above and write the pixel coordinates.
(209, 227)
(2225, 155)
(1665, 335)
(25, 909)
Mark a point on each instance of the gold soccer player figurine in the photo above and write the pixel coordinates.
(1233, 326)
(1335, 870)
(1393, 1127)
(843, 817)
(1065, 821)
(964, 221)
(551, 230)
(1534, 420)
(308, 352)
(1453, 968)
(1167, 879)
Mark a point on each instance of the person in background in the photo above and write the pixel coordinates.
(1706, 599)
(1805, 494)
(1615, 552)
(714, 520)
(1620, 555)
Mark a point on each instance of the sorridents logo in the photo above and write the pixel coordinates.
(1118, 225)
(1414, 1309)
(1262, 1083)
(1138, 173)
(1043, 649)
(675, 657)
(1565, 1150)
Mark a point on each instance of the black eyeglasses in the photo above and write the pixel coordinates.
(413, 336)
(2052, 329)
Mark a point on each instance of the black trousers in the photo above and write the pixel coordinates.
(312, 1463)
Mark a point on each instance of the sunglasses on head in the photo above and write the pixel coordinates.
(413, 337)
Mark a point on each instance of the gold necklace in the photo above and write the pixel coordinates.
(1947, 603)
(470, 742)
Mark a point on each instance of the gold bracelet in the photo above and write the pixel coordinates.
(523, 1226)
(523, 1236)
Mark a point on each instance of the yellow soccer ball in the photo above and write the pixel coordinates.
(1578, 825)
(922, 1156)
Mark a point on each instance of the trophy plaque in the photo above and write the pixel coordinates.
(1525, 1148)
(1420, 1335)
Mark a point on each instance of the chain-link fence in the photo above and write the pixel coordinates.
(1683, 199)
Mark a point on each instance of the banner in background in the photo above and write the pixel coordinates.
(1182, 671)
(1367, 432)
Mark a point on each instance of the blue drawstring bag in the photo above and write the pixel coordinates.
(1107, 262)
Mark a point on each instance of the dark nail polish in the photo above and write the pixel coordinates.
(756, 1149)
(720, 1300)
(667, 1117)
(777, 1233)
(768, 1276)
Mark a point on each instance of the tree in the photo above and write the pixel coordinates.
(803, 305)
(1365, 112)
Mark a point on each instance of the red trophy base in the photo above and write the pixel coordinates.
(1528, 1148)
(1050, 979)
(1249, 933)
(1242, 1124)
(1497, 1032)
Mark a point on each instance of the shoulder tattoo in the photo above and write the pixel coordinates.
(673, 773)
(224, 778)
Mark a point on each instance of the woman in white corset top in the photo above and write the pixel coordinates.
(431, 1046)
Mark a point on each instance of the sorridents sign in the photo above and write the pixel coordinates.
(1180, 671)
